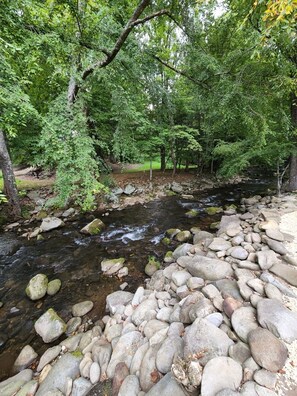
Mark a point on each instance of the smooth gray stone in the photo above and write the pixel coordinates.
(50, 223)
(50, 326)
(130, 386)
(286, 272)
(140, 313)
(167, 386)
(66, 367)
(229, 287)
(80, 386)
(240, 352)
(49, 355)
(218, 244)
(208, 268)
(28, 389)
(266, 259)
(220, 373)
(25, 358)
(269, 278)
(182, 250)
(274, 316)
(24, 376)
(37, 287)
(117, 298)
(170, 348)
(148, 366)
(265, 378)
(278, 247)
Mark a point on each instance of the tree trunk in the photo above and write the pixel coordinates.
(293, 162)
(10, 189)
(163, 158)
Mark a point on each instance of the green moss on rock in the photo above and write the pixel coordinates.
(212, 210)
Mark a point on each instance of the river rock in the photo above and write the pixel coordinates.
(129, 189)
(25, 358)
(267, 350)
(266, 259)
(140, 313)
(208, 268)
(124, 350)
(37, 287)
(167, 386)
(272, 291)
(278, 247)
(29, 388)
(148, 373)
(80, 386)
(116, 299)
(204, 336)
(73, 324)
(275, 317)
(238, 252)
(183, 236)
(93, 228)
(250, 388)
(101, 353)
(170, 348)
(48, 356)
(180, 277)
(219, 244)
(94, 373)
(53, 287)
(66, 367)
(274, 233)
(130, 386)
(285, 272)
(243, 321)
(176, 187)
(153, 326)
(50, 326)
(82, 308)
(265, 378)
(201, 236)
(112, 266)
(51, 223)
(12, 388)
(226, 372)
(239, 352)
(182, 250)
(69, 212)
(23, 376)
(138, 357)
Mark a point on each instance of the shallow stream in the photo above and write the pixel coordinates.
(133, 233)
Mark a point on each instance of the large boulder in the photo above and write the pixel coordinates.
(51, 223)
(93, 228)
(37, 287)
(208, 268)
(50, 326)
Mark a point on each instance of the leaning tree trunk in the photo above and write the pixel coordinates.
(10, 189)
(293, 162)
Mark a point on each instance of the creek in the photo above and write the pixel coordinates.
(133, 233)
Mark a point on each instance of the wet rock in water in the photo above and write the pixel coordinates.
(183, 236)
(285, 272)
(167, 386)
(267, 350)
(204, 336)
(124, 350)
(93, 228)
(82, 308)
(192, 213)
(176, 187)
(274, 316)
(48, 356)
(51, 223)
(50, 326)
(129, 189)
(112, 266)
(152, 266)
(25, 358)
(212, 210)
(226, 372)
(208, 268)
(8, 246)
(243, 321)
(171, 232)
(53, 287)
(37, 287)
(130, 386)
(80, 386)
(66, 367)
(116, 299)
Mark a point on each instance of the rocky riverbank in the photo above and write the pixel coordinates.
(218, 319)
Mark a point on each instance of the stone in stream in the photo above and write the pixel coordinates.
(50, 326)
(93, 228)
(274, 316)
(226, 372)
(167, 386)
(66, 367)
(130, 386)
(201, 236)
(48, 356)
(267, 350)
(73, 324)
(110, 267)
(204, 337)
(25, 358)
(208, 268)
(37, 287)
(152, 266)
(51, 223)
(82, 308)
(53, 287)
(183, 236)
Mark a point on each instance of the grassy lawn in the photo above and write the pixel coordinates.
(29, 184)
(156, 165)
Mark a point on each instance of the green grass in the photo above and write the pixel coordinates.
(156, 165)
(29, 184)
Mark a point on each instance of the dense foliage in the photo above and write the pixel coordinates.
(210, 83)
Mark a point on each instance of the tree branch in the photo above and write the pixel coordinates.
(181, 73)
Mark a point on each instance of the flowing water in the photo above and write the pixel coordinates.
(133, 233)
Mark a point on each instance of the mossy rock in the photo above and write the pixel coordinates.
(37, 287)
(42, 214)
(166, 241)
(94, 228)
(171, 232)
(183, 236)
(152, 266)
(170, 193)
(212, 210)
(192, 213)
(230, 207)
(53, 287)
(169, 257)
